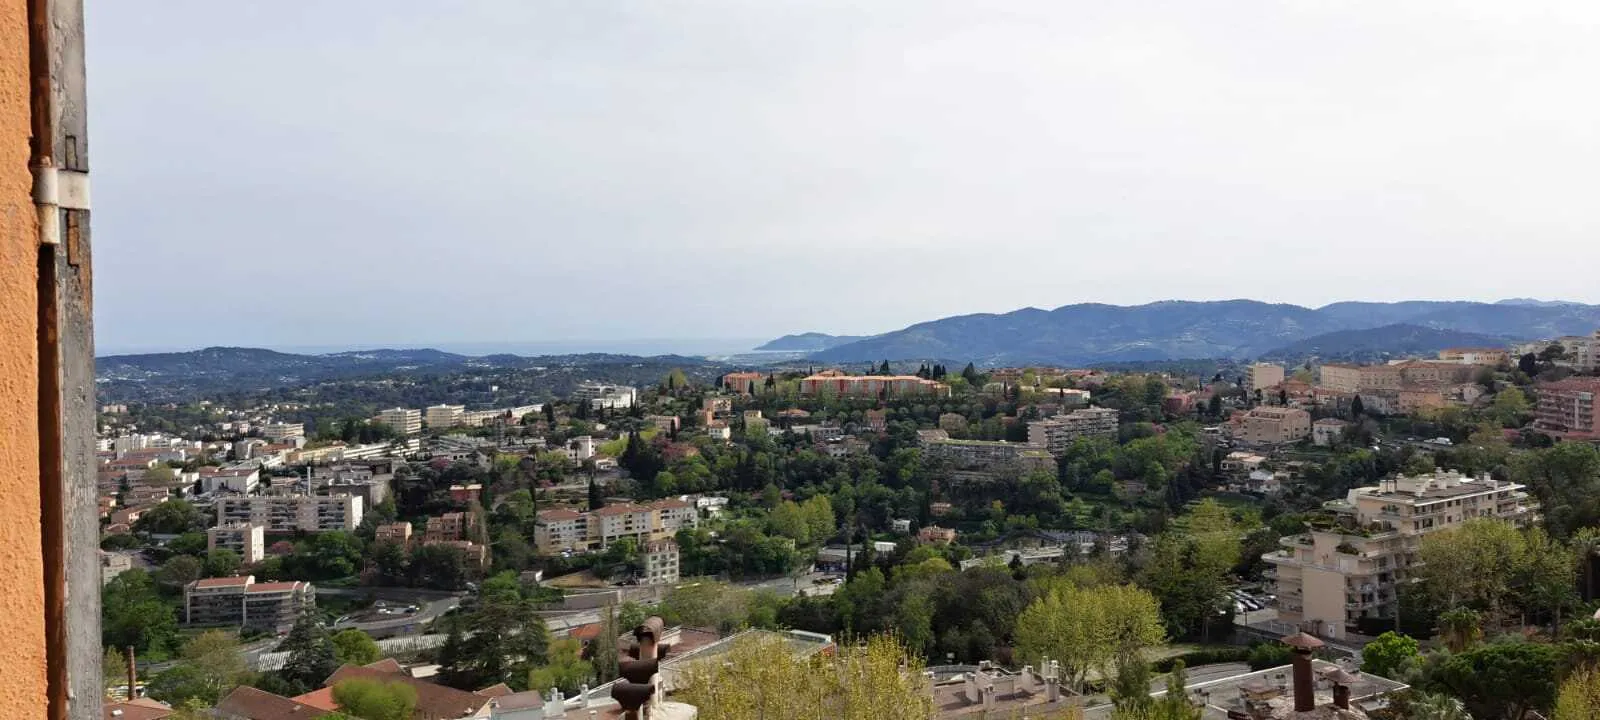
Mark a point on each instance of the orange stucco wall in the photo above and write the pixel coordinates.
(22, 684)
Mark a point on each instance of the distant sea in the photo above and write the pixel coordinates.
(692, 347)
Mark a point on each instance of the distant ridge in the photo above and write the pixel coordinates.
(1090, 333)
(1380, 342)
(808, 342)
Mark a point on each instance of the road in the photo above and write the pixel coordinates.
(410, 624)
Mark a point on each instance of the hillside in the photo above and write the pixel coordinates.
(1380, 342)
(808, 342)
(1095, 333)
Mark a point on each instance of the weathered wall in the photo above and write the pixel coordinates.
(22, 613)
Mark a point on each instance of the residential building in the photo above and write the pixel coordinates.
(113, 564)
(1261, 376)
(248, 540)
(1239, 462)
(744, 383)
(243, 602)
(1492, 357)
(606, 397)
(663, 423)
(580, 448)
(1056, 434)
(719, 430)
(404, 421)
(1327, 431)
(292, 513)
(1413, 399)
(449, 526)
(560, 529)
(1340, 377)
(840, 385)
(1330, 579)
(933, 534)
(471, 551)
(445, 416)
(876, 420)
(280, 432)
(660, 562)
(1433, 372)
(1566, 408)
(989, 454)
(1267, 426)
(230, 479)
(398, 533)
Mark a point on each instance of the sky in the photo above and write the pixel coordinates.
(404, 173)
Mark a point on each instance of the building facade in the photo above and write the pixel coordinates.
(660, 562)
(243, 602)
(1492, 357)
(280, 432)
(1056, 434)
(1566, 408)
(607, 397)
(1331, 578)
(292, 513)
(398, 533)
(404, 421)
(841, 385)
(561, 529)
(444, 416)
(248, 540)
(1261, 376)
(1267, 426)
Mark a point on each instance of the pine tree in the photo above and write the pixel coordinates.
(1356, 409)
(311, 655)
(550, 413)
(596, 499)
(970, 374)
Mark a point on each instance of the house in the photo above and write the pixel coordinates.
(933, 534)
(1327, 431)
(136, 709)
(1268, 426)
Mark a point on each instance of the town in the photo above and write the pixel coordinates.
(1394, 517)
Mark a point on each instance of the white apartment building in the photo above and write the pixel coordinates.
(444, 416)
(248, 540)
(561, 529)
(279, 432)
(609, 397)
(1056, 434)
(404, 421)
(1261, 376)
(660, 563)
(291, 513)
(1330, 578)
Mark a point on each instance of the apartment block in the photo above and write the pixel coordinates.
(1340, 377)
(243, 602)
(607, 397)
(744, 383)
(1339, 572)
(989, 454)
(291, 513)
(1267, 426)
(660, 562)
(1492, 357)
(559, 530)
(1056, 434)
(398, 533)
(838, 384)
(248, 540)
(444, 416)
(280, 432)
(404, 421)
(449, 526)
(1261, 376)
(1566, 408)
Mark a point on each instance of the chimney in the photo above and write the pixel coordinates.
(1305, 691)
(133, 674)
(1342, 681)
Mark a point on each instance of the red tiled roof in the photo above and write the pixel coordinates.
(321, 699)
(140, 709)
(622, 509)
(671, 503)
(273, 587)
(248, 702)
(496, 690)
(559, 514)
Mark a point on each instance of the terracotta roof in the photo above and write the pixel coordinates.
(672, 503)
(321, 699)
(434, 702)
(273, 587)
(222, 582)
(141, 709)
(248, 702)
(559, 514)
(496, 690)
(386, 665)
(620, 510)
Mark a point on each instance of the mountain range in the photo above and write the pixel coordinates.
(1091, 333)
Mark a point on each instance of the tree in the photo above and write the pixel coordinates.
(1509, 407)
(1528, 363)
(566, 669)
(1460, 628)
(354, 647)
(1188, 567)
(311, 653)
(970, 374)
(374, 700)
(132, 613)
(508, 639)
(761, 677)
(180, 570)
(1436, 706)
(1357, 408)
(210, 666)
(221, 562)
(1089, 629)
(114, 668)
(1389, 655)
(597, 499)
(173, 517)
(1471, 564)
(1579, 697)
(1503, 679)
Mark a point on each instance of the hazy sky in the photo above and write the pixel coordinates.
(359, 172)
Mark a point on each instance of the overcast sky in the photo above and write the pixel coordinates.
(386, 172)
